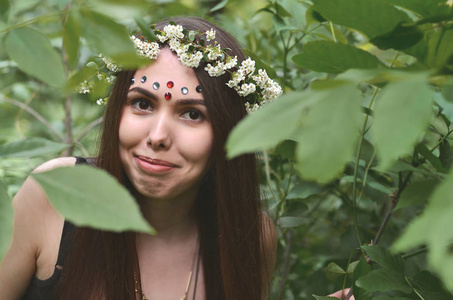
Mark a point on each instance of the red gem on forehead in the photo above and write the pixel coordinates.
(167, 96)
(170, 84)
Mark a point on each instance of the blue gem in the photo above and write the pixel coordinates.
(198, 89)
(156, 85)
(184, 90)
(132, 81)
(143, 79)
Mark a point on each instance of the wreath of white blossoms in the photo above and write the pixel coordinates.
(253, 84)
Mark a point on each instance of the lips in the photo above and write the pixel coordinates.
(150, 165)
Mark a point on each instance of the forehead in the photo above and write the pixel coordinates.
(165, 68)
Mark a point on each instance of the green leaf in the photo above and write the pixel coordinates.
(334, 271)
(402, 112)
(422, 7)
(362, 269)
(145, 29)
(428, 282)
(324, 297)
(429, 156)
(440, 48)
(34, 55)
(417, 193)
(385, 259)
(115, 42)
(445, 154)
(71, 37)
(362, 15)
(296, 208)
(401, 37)
(4, 10)
(6, 220)
(385, 297)
(430, 228)
(289, 222)
(328, 134)
(75, 193)
(219, 6)
(330, 57)
(263, 128)
(304, 190)
(31, 147)
(383, 280)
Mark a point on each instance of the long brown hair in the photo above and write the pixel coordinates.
(228, 206)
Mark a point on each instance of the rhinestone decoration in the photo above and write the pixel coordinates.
(168, 95)
(156, 85)
(143, 79)
(170, 84)
(198, 89)
(132, 81)
(184, 90)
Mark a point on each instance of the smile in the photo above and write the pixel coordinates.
(150, 165)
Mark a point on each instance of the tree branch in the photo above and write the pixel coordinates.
(88, 129)
(35, 114)
(289, 241)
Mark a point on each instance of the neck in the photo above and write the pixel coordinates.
(171, 218)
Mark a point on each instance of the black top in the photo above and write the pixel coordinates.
(44, 289)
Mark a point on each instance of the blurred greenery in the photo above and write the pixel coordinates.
(355, 159)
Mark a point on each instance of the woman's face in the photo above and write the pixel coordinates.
(165, 139)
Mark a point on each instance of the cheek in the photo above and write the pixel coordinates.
(198, 147)
(130, 131)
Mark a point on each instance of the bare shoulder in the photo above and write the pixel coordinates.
(36, 229)
(55, 163)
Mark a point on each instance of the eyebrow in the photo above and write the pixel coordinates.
(178, 102)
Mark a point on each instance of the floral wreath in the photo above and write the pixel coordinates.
(256, 87)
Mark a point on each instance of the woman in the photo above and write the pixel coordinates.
(163, 138)
(164, 134)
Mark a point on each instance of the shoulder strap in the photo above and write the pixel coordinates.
(68, 228)
(65, 242)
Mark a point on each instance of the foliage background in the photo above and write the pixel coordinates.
(356, 150)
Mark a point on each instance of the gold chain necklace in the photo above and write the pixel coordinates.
(188, 281)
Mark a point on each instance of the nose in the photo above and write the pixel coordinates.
(159, 134)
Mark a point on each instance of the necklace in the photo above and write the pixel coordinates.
(196, 257)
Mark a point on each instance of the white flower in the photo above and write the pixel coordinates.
(216, 70)
(101, 101)
(231, 62)
(210, 34)
(246, 89)
(214, 52)
(162, 37)
(261, 78)
(236, 77)
(251, 109)
(191, 60)
(110, 64)
(248, 66)
(174, 31)
(85, 87)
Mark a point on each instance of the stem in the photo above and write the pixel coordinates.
(285, 273)
(35, 114)
(88, 128)
(356, 168)
(415, 253)
(333, 32)
(365, 175)
(68, 127)
(34, 20)
(394, 201)
(414, 289)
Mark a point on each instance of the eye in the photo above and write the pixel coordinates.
(141, 104)
(193, 115)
